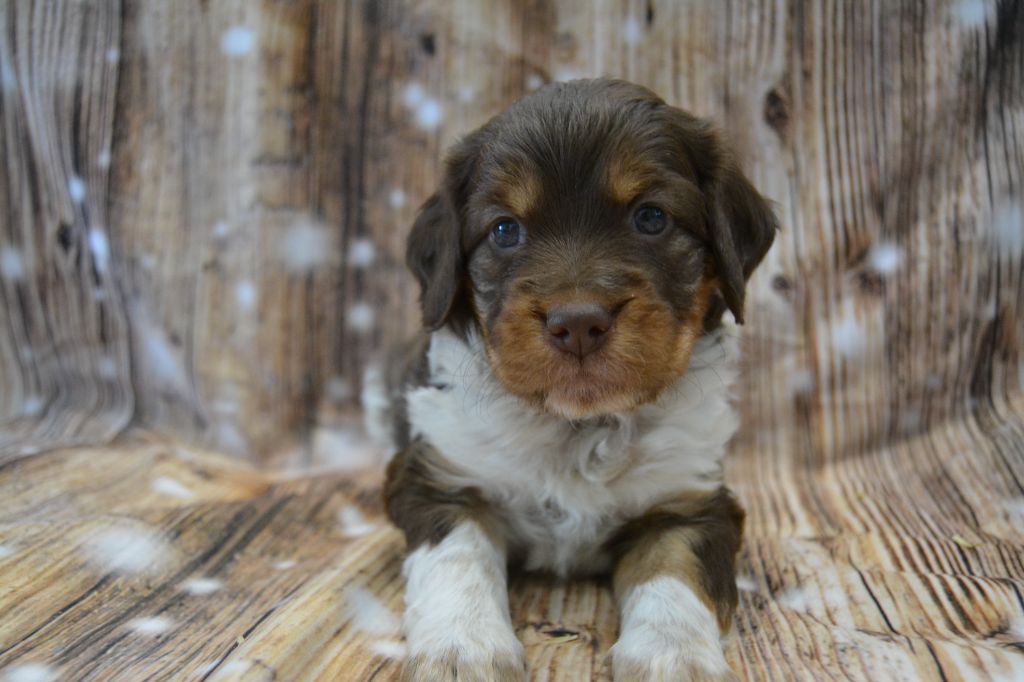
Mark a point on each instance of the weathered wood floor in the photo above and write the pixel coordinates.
(150, 560)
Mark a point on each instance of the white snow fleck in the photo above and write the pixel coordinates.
(305, 246)
(221, 229)
(5, 551)
(11, 265)
(172, 488)
(237, 41)
(800, 381)
(848, 335)
(1015, 508)
(103, 160)
(795, 599)
(155, 625)
(1008, 227)
(107, 368)
(29, 672)
(1015, 628)
(566, 73)
(429, 114)
(239, 666)
(201, 586)
(246, 295)
(284, 565)
(353, 523)
(206, 667)
(368, 614)
(33, 406)
(8, 80)
(534, 81)
(113, 55)
(632, 32)
(229, 438)
(970, 13)
(100, 248)
(129, 549)
(361, 317)
(885, 258)
(162, 362)
(342, 449)
(397, 198)
(147, 261)
(746, 583)
(466, 94)
(389, 648)
(1012, 670)
(413, 94)
(835, 597)
(76, 188)
(362, 253)
(338, 389)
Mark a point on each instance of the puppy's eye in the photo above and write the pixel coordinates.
(650, 220)
(506, 233)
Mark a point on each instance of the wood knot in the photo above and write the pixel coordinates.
(776, 111)
(428, 43)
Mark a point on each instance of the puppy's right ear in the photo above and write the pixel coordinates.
(434, 254)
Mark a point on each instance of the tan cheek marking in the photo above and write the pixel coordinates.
(694, 325)
(524, 366)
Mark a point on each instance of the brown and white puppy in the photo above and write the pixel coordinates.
(567, 407)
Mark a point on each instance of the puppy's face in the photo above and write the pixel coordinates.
(589, 232)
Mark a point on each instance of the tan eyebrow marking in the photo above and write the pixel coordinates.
(520, 190)
(625, 179)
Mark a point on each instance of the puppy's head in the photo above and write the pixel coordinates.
(590, 232)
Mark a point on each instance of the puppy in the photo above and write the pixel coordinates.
(566, 408)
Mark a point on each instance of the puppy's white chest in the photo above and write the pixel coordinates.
(562, 488)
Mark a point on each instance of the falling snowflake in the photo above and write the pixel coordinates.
(885, 258)
(429, 114)
(129, 549)
(76, 188)
(155, 625)
(11, 265)
(202, 586)
(172, 488)
(361, 317)
(362, 253)
(237, 41)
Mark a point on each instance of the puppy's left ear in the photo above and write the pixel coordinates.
(741, 228)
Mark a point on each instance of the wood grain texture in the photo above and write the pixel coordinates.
(188, 197)
(64, 337)
(904, 563)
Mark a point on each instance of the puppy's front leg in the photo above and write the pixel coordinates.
(676, 587)
(456, 602)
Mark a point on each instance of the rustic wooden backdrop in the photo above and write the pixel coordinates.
(204, 204)
(202, 214)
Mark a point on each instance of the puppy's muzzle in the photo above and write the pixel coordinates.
(579, 328)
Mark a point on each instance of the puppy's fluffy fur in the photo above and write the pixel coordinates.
(578, 447)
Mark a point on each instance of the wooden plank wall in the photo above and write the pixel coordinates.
(203, 204)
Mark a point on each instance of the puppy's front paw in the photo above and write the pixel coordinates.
(454, 665)
(651, 657)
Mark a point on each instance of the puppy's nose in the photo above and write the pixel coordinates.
(578, 328)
